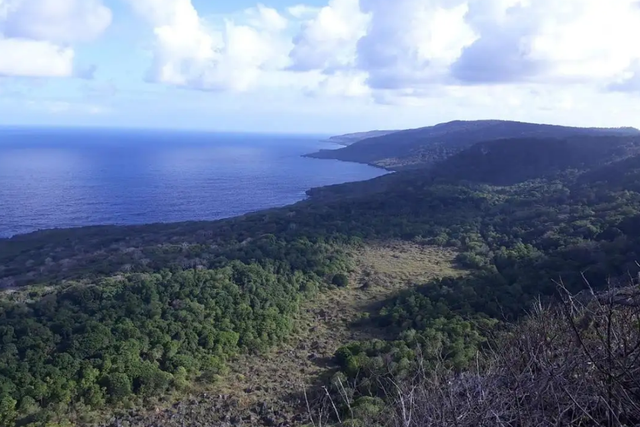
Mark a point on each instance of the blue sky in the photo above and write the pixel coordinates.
(320, 66)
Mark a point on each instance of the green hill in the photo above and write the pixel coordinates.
(509, 161)
(501, 162)
(426, 146)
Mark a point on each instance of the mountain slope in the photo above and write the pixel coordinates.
(502, 162)
(426, 146)
(510, 161)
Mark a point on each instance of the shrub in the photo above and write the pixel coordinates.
(340, 280)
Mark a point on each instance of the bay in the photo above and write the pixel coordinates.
(59, 178)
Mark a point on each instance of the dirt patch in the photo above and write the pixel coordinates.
(266, 389)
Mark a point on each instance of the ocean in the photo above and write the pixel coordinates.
(58, 178)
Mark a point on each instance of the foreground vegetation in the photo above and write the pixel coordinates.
(575, 363)
(131, 337)
(129, 313)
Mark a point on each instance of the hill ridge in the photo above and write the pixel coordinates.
(425, 146)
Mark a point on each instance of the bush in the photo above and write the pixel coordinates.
(340, 280)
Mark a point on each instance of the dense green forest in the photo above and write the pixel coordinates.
(91, 343)
(103, 316)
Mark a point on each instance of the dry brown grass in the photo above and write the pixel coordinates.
(401, 262)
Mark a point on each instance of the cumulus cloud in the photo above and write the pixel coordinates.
(266, 18)
(34, 58)
(502, 50)
(37, 36)
(412, 42)
(191, 52)
(328, 40)
(302, 11)
(548, 41)
(406, 52)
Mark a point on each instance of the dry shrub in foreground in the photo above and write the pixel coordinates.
(573, 364)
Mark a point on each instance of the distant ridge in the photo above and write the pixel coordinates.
(350, 138)
(416, 148)
(509, 161)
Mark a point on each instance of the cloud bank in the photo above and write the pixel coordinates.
(37, 37)
(519, 59)
(393, 50)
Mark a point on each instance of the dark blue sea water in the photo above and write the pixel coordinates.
(54, 178)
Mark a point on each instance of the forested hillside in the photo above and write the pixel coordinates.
(96, 318)
(426, 146)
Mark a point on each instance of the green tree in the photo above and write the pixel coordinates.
(118, 386)
(340, 280)
(8, 412)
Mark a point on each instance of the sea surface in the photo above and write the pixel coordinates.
(58, 178)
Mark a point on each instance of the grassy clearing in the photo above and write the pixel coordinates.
(325, 323)
(267, 388)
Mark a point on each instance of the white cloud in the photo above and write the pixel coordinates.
(590, 38)
(548, 41)
(57, 21)
(412, 42)
(489, 58)
(302, 11)
(31, 58)
(36, 36)
(407, 44)
(347, 84)
(266, 18)
(191, 52)
(328, 40)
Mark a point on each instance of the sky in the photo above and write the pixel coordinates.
(321, 66)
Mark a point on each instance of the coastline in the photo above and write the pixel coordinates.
(313, 156)
(141, 226)
(21, 237)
